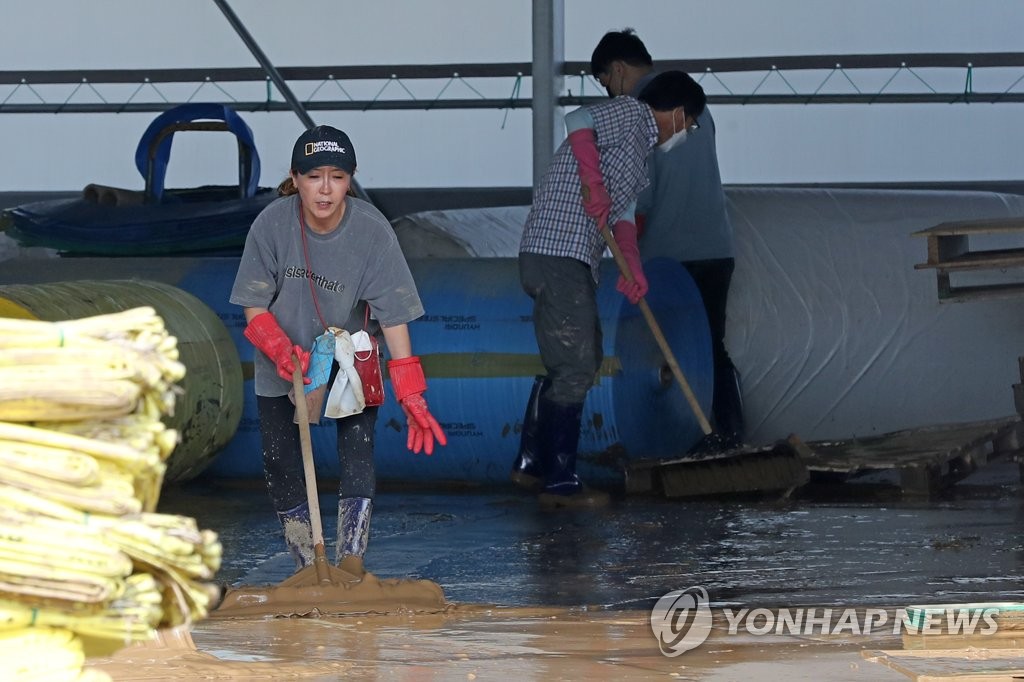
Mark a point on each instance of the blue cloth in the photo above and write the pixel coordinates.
(557, 225)
(684, 204)
(321, 357)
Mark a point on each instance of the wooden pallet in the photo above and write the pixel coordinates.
(926, 460)
(949, 251)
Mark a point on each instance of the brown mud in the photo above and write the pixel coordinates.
(371, 594)
(473, 642)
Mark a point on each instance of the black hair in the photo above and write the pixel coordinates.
(622, 46)
(672, 89)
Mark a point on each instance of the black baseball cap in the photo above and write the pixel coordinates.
(323, 146)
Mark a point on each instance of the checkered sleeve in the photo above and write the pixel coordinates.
(557, 225)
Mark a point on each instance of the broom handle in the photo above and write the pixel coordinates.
(302, 413)
(677, 371)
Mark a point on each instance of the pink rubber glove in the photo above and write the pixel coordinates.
(625, 237)
(596, 201)
(266, 334)
(408, 382)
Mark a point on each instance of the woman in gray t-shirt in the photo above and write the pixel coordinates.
(316, 258)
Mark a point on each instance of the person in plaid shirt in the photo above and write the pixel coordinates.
(593, 180)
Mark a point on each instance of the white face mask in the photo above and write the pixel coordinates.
(678, 137)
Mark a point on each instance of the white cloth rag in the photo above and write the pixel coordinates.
(346, 396)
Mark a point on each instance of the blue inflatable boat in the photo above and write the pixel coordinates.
(109, 221)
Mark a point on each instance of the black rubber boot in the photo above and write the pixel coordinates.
(353, 533)
(298, 534)
(527, 471)
(559, 435)
(727, 408)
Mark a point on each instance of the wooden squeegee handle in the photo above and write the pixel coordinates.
(306, 442)
(655, 328)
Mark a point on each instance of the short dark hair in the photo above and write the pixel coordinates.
(622, 46)
(672, 89)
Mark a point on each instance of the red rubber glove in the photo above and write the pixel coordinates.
(625, 237)
(641, 222)
(596, 201)
(266, 334)
(408, 382)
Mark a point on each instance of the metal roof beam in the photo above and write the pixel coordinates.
(510, 69)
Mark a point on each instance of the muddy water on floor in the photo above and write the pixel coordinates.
(568, 596)
(499, 548)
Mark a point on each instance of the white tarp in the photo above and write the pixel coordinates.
(837, 335)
